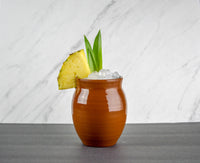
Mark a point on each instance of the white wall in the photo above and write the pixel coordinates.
(154, 44)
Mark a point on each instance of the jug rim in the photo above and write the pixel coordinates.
(99, 82)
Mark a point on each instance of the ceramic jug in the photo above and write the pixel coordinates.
(99, 111)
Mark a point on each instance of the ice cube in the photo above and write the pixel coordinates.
(104, 74)
(115, 75)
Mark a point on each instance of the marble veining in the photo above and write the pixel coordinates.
(154, 44)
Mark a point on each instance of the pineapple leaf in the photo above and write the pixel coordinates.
(90, 56)
(97, 49)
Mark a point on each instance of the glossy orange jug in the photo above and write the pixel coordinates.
(99, 111)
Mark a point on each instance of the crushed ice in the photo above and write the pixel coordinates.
(104, 74)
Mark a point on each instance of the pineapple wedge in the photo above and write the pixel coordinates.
(76, 65)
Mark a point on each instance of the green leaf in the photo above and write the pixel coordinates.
(90, 56)
(97, 49)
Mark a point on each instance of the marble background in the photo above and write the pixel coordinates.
(154, 44)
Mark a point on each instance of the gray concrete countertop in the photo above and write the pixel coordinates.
(139, 143)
